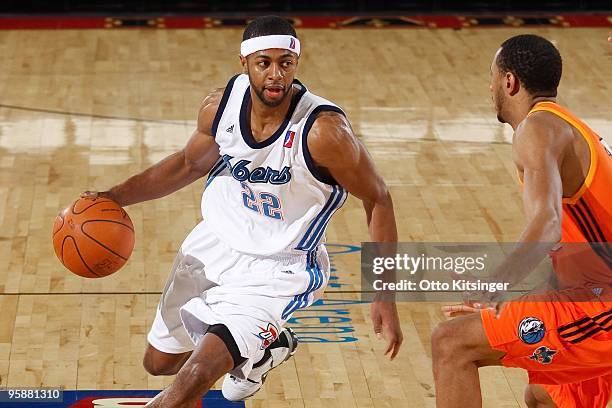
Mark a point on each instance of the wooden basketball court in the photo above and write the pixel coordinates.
(85, 109)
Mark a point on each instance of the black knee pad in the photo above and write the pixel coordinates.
(221, 331)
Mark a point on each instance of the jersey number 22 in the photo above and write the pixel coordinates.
(263, 203)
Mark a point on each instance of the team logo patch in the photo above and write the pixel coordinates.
(531, 330)
(267, 335)
(289, 139)
(543, 355)
(292, 43)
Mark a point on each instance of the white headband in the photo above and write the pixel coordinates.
(284, 42)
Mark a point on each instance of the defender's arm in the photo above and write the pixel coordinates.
(539, 151)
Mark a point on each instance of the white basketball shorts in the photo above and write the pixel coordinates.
(252, 296)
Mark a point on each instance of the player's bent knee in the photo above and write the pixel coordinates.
(445, 335)
(159, 363)
(158, 368)
(444, 341)
(458, 340)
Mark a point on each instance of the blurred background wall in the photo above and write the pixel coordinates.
(292, 6)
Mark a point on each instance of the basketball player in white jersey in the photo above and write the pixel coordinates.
(280, 161)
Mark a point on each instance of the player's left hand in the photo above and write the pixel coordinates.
(386, 325)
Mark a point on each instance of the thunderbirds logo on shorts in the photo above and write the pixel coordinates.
(543, 355)
(267, 335)
(531, 330)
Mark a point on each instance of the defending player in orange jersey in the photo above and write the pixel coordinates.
(563, 338)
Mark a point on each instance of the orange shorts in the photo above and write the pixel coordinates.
(594, 393)
(557, 339)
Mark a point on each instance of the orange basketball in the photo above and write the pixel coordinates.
(93, 237)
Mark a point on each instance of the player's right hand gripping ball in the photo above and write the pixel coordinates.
(93, 238)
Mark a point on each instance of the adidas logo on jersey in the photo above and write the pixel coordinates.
(230, 129)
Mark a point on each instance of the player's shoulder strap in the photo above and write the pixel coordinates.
(231, 85)
(567, 116)
(589, 136)
(312, 106)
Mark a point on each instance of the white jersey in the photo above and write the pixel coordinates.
(266, 197)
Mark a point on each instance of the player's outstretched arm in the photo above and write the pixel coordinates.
(337, 152)
(177, 170)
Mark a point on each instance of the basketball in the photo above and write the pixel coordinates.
(93, 238)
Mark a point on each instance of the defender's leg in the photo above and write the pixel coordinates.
(459, 347)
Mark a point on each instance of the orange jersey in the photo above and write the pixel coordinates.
(563, 338)
(587, 215)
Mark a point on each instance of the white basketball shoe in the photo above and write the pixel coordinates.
(281, 350)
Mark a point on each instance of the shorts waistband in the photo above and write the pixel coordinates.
(292, 256)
